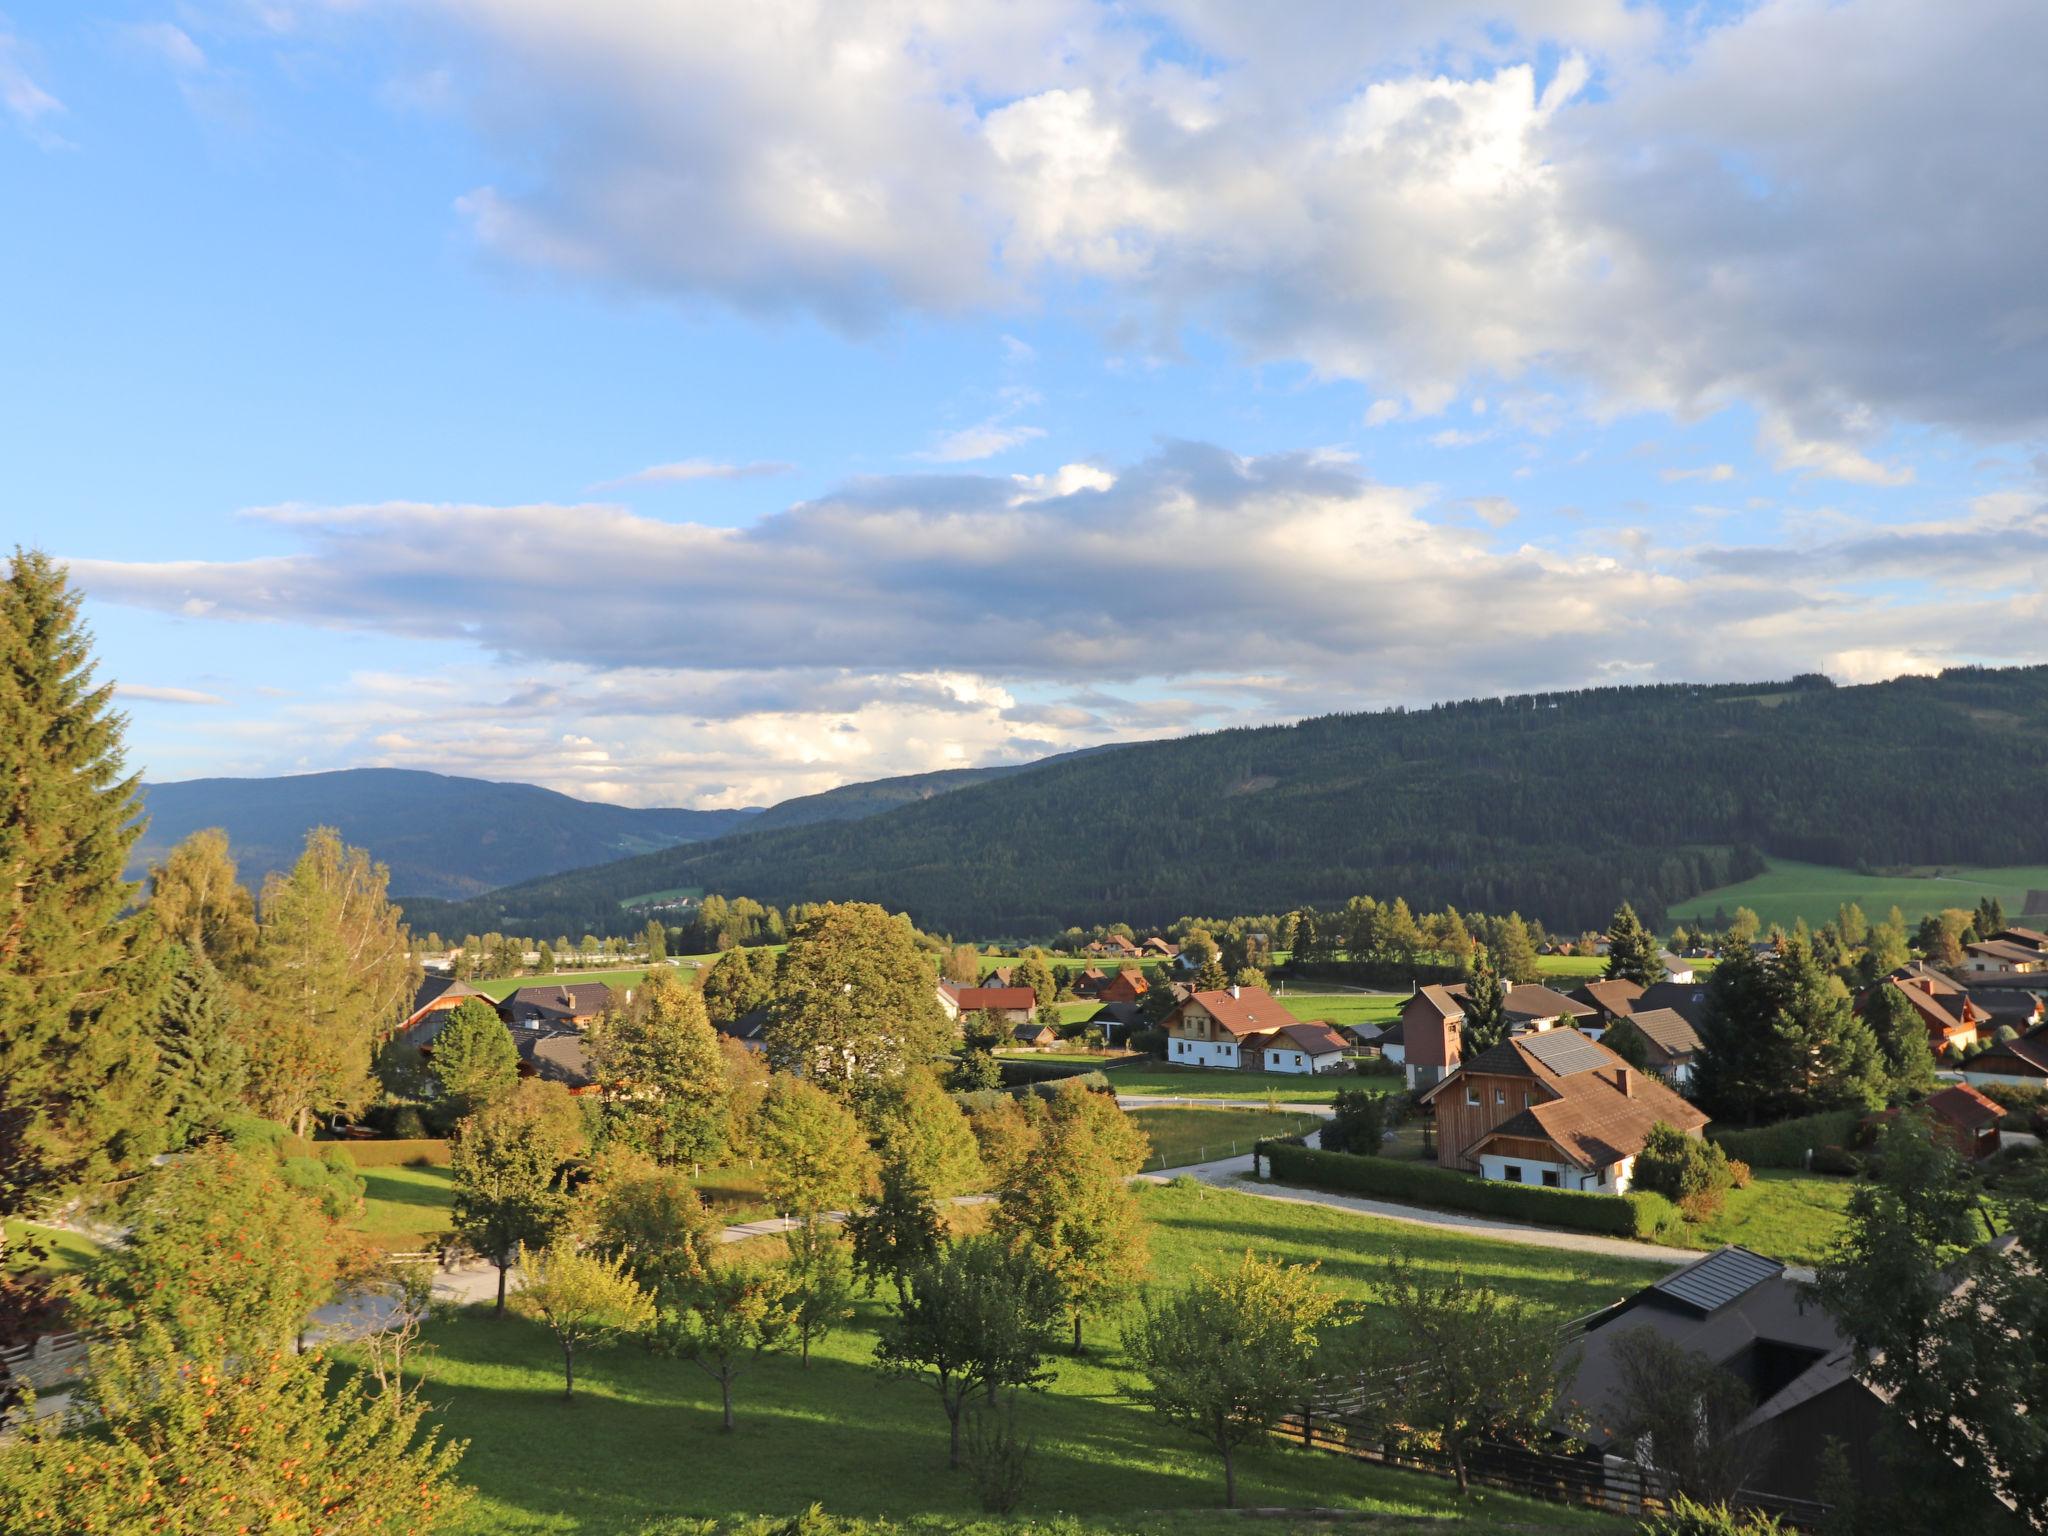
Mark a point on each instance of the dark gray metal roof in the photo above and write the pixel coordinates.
(1719, 1278)
(1565, 1051)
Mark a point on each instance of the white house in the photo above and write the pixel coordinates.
(1214, 1029)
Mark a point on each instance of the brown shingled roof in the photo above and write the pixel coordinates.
(1245, 1010)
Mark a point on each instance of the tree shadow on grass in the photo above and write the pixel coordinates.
(642, 1441)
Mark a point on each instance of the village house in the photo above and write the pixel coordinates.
(1117, 1021)
(1011, 1005)
(1432, 1024)
(1248, 1028)
(1115, 945)
(2001, 957)
(1158, 948)
(1953, 1021)
(555, 1056)
(1671, 1046)
(1127, 986)
(1961, 1118)
(1555, 1109)
(750, 1030)
(2022, 1062)
(1296, 1048)
(1034, 1036)
(437, 997)
(1756, 1320)
(1612, 999)
(1530, 1007)
(1089, 983)
(560, 1005)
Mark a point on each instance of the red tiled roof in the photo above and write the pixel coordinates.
(1964, 1106)
(1244, 1010)
(974, 999)
(1316, 1039)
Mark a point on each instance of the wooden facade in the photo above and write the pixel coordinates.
(1460, 1124)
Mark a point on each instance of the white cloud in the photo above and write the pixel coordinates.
(26, 102)
(1713, 473)
(1833, 459)
(684, 471)
(1812, 208)
(983, 440)
(168, 42)
(911, 621)
(150, 694)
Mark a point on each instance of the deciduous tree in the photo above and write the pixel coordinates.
(813, 1153)
(726, 1321)
(1680, 1412)
(817, 1284)
(581, 1298)
(1474, 1364)
(507, 1166)
(856, 1000)
(199, 901)
(651, 1220)
(900, 1231)
(657, 1063)
(333, 973)
(1231, 1352)
(978, 1318)
(1068, 1205)
(918, 1126)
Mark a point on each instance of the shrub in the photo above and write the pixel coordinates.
(1021, 1074)
(1361, 1123)
(2015, 1096)
(1686, 1517)
(1786, 1144)
(1836, 1160)
(1426, 1185)
(406, 1124)
(1738, 1173)
(1685, 1169)
(330, 1178)
(1657, 1219)
(998, 1456)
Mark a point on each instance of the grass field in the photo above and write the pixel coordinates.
(406, 1208)
(1793, 1217)
(1788, 891)
(642, 1437)
(68, 1251)
(504, 986)
(1161, 1077)
(1577, 967)
(1181, 1136)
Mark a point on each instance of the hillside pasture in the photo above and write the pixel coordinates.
(641, 1439)
(1185, 1135)
(1788, 891)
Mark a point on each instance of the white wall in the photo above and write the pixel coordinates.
(1202, 1053)
(1568, 1177)
(1397, 1053)
(1291, 1062)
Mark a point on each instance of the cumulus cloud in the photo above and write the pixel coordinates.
(1812, 208)
(913, 621)
(1714, 473)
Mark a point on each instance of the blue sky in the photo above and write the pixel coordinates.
(675, 408)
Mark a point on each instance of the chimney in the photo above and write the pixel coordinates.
(1625, 1080)
(1233, 989)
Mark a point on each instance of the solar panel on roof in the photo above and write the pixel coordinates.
(1565, 1052)
(1719, 1278)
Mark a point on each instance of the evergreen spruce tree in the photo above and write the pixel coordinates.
(200, 1065)
(1632, 949)
(1514, 955)
(80, 982)
(475, 1062)
(1902, 1037)
(1486, 1009)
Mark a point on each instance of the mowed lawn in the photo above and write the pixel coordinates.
(1151, 1076)
(642, 1439)
(405, 1209)
(1184, 1135)
(504, 986)
(1788, 891)
(1792, 1217)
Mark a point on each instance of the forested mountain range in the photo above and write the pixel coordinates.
(440, 835)
(1558, 805)
(851, 802)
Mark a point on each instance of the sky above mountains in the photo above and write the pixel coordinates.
(693, 404)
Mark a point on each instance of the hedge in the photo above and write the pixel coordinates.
(1641, 1216)
(1016, 1074)
(972, 1101)
(1785, 1144)
(422, 1151)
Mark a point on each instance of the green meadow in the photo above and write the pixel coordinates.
(1788, 891)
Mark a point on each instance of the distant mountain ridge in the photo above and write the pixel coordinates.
(851, 802)
(441, 835)
(1558, 805)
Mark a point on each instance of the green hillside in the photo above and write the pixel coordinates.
(1788, 891)
(439, 835)
(1557, 805)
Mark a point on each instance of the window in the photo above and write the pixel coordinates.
(1471, 1095)
(1513, 1172)
(1550, 1178)
(1297, 1058)
(1500, 1095)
